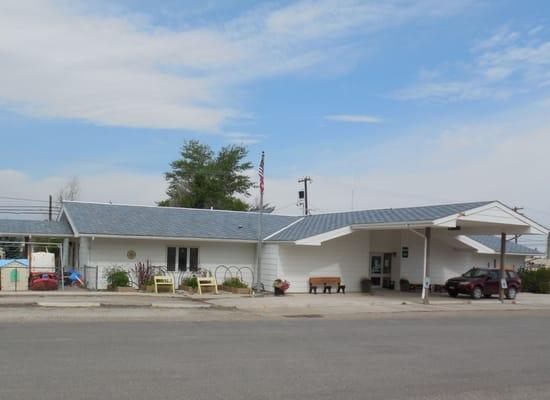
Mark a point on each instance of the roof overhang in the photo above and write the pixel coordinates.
(492, 218)
(167, 238)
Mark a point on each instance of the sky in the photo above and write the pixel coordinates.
(383, 103)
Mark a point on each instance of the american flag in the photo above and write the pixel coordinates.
(261, 173)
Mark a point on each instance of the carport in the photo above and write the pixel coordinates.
(25, 236)
(490, 219)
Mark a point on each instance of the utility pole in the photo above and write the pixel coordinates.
(305, 180)
(502, 261)
(516, 209)
(50, 209)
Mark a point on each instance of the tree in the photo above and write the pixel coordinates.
(203, 179)
(267, 208)
(70, 192)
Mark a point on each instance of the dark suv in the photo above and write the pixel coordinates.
(479, 282)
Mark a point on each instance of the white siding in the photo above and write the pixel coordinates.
(494, 215)
(346, 257)
(106, 253)
(270, 265)
(446, 260)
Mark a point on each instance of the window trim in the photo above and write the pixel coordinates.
(187, 258)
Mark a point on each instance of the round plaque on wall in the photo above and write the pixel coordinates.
(131, 254)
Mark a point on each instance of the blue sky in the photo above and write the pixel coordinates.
(383, 103)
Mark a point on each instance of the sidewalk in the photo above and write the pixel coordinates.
(320, 305)
(87, 299)
(379, 302)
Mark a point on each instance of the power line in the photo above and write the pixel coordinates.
(23, 199)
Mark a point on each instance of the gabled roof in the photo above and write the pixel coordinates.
(96, 219)
(23, 261)
(493, 242)
(322, 223)
(21, 227)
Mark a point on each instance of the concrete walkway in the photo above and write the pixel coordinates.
(87, 299)
(380, 302)
(334, 305)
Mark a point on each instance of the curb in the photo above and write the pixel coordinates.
(52, 304)
(68, 305)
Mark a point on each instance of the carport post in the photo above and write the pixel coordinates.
(426, 290)
(502, 259)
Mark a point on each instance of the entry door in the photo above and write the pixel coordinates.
(380, 270)
(376, 270)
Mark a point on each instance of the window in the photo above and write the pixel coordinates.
(171, 259)
(194, 259)
(493, 275)
(511, 274)
(180, 258)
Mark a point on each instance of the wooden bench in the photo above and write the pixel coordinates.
(327, 282)
(164, 281)
(205, 282)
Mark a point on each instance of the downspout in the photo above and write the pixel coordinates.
(424, 297)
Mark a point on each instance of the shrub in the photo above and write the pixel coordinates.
(117, 277)
(144, 273)
(235, 282)
(535, 281)
(190, 281)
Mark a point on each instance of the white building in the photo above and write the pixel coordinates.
(383, 245)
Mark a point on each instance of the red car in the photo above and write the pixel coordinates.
(43, 281)
(483, 282)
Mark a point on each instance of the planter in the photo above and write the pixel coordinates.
(404, 285)
(189, 289)
(147, 288)
(278, 291)
(125, 289)
(236, 290)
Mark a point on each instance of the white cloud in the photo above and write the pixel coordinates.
(118, 186)
(505, 64)
(369, 119)
(243, 138)
(58, 60)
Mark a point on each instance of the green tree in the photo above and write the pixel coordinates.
(203, 179)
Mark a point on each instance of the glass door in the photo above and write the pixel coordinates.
(376, 270)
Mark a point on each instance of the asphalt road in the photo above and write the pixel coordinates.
(465, 356)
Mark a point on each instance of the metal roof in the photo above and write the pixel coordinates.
(493, 242)
(317, 224)
(124, 220)
(21, 227)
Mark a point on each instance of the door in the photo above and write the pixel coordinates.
(376, 270)
(492, 283)
(380, 270)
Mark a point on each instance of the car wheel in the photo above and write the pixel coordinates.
(511, 293)
(453, 293)
(477, 293)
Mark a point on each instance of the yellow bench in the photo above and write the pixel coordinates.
(206, 282)
(164, 281)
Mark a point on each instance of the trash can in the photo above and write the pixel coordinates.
(366, 285)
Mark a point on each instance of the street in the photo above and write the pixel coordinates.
(443, 356)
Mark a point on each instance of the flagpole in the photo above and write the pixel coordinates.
(258, 287)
